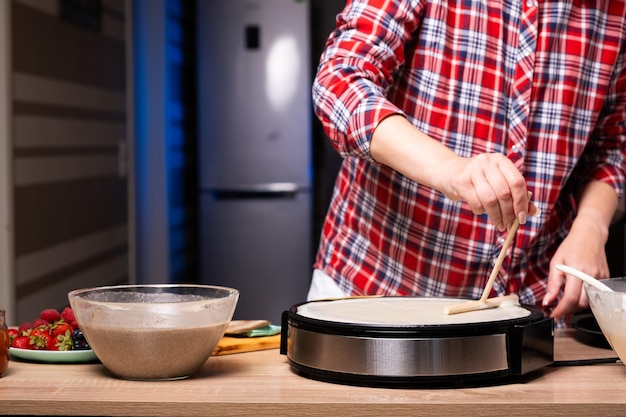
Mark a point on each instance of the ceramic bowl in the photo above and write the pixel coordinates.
(609, 309)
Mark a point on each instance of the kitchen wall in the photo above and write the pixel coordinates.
(66, 209)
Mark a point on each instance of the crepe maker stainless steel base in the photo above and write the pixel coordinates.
(456, 355)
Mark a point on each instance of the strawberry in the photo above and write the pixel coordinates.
(21, 342)
(60, 328)
(25, 328)
(41, 339)
(64, 341)
(13, 333)
(68, 315)
(50, 315)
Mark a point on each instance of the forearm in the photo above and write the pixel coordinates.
(399, 145)
(597, 204)
(488, 183)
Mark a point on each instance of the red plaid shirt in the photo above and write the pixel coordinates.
(543, 83)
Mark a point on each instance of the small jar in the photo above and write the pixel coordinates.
(4, 343)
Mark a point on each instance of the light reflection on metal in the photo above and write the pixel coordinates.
(281, 71)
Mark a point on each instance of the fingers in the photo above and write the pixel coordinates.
(573, 297)
(490, 184)
(570, 304)
(555, 282)
(494, 196)
(533, 210)
(500, 190)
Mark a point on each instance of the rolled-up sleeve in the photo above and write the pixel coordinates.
(356, 69)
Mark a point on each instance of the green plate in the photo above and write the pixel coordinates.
(54, 356)
(269, 330)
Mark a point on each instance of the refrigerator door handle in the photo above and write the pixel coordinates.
(256, 191)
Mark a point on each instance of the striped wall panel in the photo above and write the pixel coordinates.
(68, 124)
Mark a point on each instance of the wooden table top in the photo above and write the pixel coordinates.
(262, 383)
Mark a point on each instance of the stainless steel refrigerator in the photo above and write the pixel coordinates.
(255, 151)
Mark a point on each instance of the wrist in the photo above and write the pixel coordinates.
(596, 207)
(591, 224)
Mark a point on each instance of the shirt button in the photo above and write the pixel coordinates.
(501, 240)
(515, 148)
(530, 3)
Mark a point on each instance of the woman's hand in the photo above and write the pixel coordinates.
(491, 184)
(583, 249)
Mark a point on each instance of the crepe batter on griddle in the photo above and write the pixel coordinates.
(404, 311)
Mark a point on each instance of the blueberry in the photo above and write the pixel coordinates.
(80, 343)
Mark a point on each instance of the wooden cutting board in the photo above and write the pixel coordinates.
(229, 345)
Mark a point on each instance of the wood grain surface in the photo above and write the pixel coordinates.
(229, 345)
(262, 383)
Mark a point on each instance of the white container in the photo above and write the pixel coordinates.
(609, 309)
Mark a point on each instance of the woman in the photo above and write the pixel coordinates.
(447, 114)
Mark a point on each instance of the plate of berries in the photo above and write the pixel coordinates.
(54, 356)
(53, 337)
